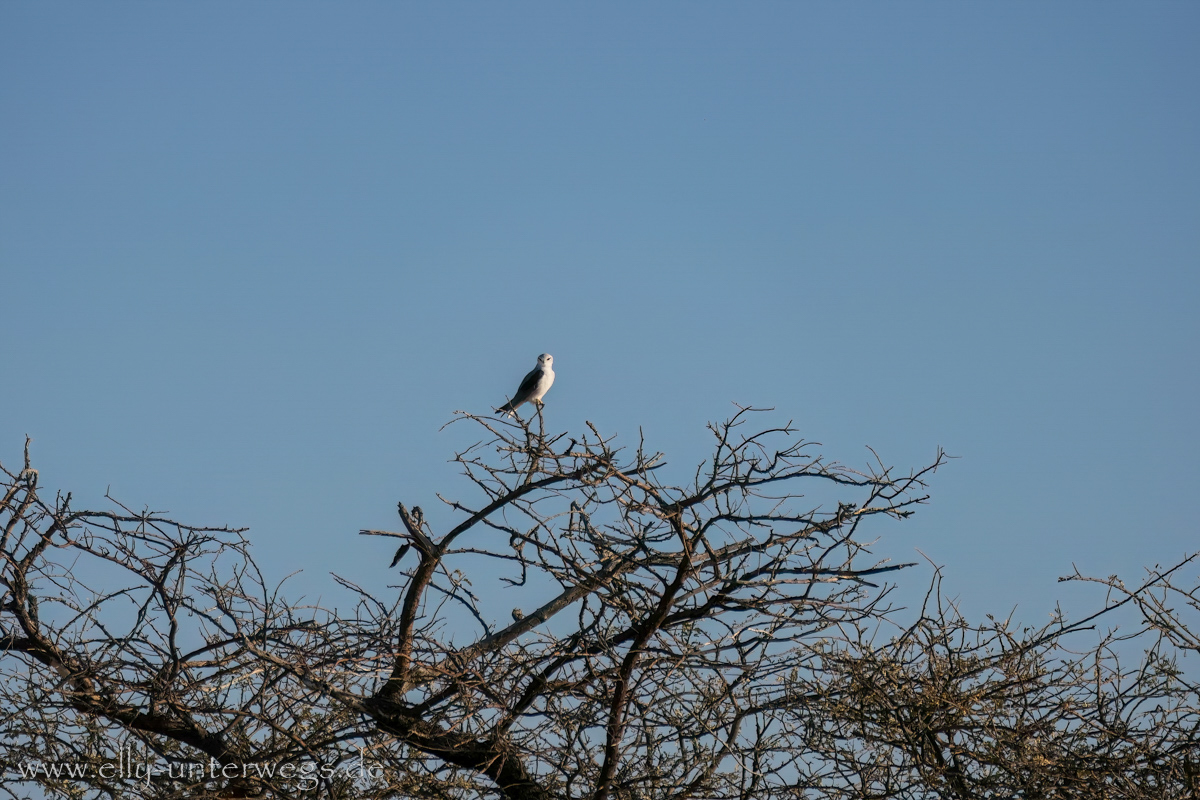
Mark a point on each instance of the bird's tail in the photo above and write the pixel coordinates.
(507, 408)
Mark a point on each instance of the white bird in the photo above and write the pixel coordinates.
(533, 387)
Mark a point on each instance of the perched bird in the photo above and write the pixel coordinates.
(533, 387)
(399, 555)
(518, 615)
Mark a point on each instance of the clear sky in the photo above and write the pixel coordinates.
(254, 255)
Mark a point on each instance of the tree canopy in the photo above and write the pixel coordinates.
(731, 637)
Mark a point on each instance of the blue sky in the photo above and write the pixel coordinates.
(255, 255)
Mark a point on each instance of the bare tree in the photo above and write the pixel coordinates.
(950, 709)
(724, 638)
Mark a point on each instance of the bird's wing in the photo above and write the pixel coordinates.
(528, 384)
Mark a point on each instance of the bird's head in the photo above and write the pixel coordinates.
(546, 360)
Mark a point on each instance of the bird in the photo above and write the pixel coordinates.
(399, 555)
(533, 387)
(518, 615)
